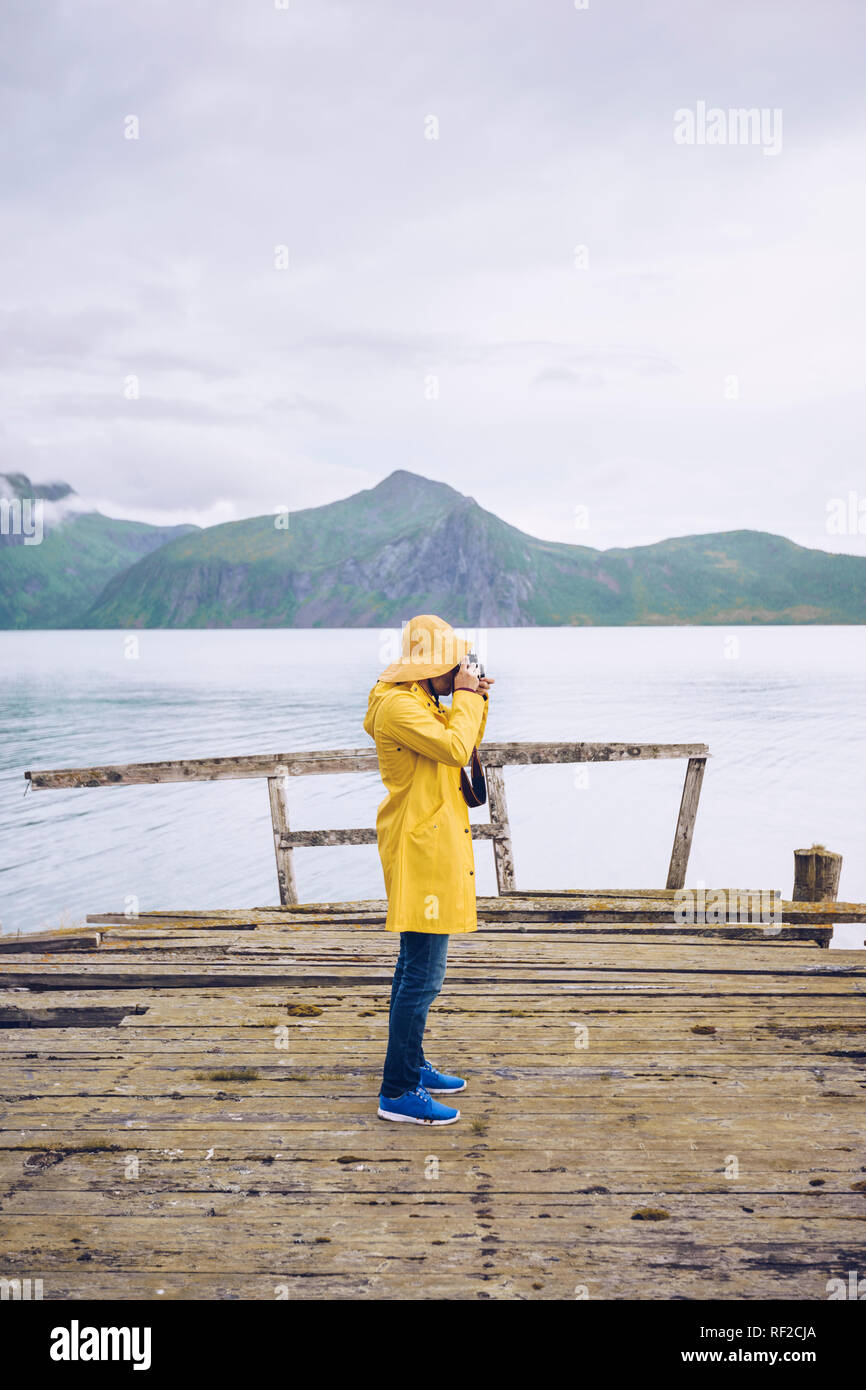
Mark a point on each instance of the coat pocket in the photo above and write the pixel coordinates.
(431, 822)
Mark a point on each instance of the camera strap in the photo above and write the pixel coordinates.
(475, 789)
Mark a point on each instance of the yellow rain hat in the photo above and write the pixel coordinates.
(431, 647)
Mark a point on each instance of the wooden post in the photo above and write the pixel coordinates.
(277, 795)
(502, 854)
(686, 822)
(816, 877)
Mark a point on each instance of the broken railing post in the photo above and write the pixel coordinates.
(686, 822)
(502, 855)
(277, 795)
(816, 875)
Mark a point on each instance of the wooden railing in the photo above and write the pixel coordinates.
(279, 767)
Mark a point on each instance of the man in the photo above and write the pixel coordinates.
(425, 845)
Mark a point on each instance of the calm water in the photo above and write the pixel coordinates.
(782, 714)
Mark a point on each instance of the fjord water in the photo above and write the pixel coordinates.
(781, 709)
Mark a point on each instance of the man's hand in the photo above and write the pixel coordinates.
(464, 680)
(484, 684)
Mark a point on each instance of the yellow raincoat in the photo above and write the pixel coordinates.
(422, 826)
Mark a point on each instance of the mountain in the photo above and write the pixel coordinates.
(412, 545)
(51, 584)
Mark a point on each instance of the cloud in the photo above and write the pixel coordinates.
(602, 368)
(432, 315)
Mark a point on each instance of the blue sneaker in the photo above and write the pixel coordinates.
(439, 1083)
(416, 1108)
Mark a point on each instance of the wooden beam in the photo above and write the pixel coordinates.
(151, 928)
(637, 908)
(339, 760)
(816, 875)
(686, 822)
(41, 943)
(503, 857)
(503, 754)
(278, 797)
(653, 910)
(295, 838)
(208, 769)
(628, 892)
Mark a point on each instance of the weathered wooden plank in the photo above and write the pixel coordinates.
(374, 1153)
(601, 1117)
(67, 1163)
(169, 921)
(816, 874)
(516, 1015)
(246, 1244)
(224, 941)
(590, 927)
(524, 904)
(589, 964)
(719, 1051)
(34, 1015)
(356, 836)
(499, 954)
(505, 957)
(524, 1055)
(820, 1214)
(667, 893)
(339, 760)
(279, 804)
(291, 764)
(480, 997)
(109, 1076)
(837, 982)
(649, 909)
(734, 906)
(686, 822)
(506, 754)
(503, 855)
(352, 836)
(379, 906)
(43, 942)
(543, 1277)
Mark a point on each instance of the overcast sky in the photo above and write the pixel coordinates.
(698, 367)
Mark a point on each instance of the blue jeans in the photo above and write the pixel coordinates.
(418, 977)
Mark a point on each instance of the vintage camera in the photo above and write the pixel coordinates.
(474, 665)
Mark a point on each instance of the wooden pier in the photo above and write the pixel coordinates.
(188, 1110)
(659, 1107)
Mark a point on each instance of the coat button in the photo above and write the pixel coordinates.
(471, 873)
(465, 832)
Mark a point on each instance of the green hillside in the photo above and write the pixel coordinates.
(54, 583)
(412, 545)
